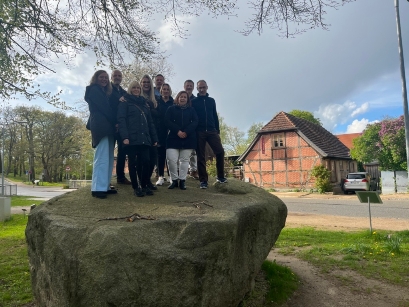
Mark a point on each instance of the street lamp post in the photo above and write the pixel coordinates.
(2, 161)
(403, 78)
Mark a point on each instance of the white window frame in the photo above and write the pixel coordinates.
(278, 140)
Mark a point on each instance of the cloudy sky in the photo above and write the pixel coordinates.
(347, 76)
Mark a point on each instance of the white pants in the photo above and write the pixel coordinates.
(193, 161)
(175, 158)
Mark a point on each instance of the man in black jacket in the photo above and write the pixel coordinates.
(117, 93)
(207, 131)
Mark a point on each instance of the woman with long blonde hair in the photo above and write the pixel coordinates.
(102, 125)
(138, 134)
(149, 93)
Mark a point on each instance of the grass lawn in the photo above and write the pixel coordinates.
(17, 201)
(380, 255)
(15, 287)
(23, 179)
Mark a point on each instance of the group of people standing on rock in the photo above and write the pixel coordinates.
(151, 128)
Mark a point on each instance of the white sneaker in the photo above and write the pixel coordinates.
(160, 181)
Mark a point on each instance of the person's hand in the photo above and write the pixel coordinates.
(126, 142)
(156, 143)
(182, 134)
(122, 99)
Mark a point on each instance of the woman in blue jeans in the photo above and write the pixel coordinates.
(102, 125)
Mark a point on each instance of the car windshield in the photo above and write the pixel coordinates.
(356, 176)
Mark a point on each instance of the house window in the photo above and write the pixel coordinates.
(278, 140)
(341, 166)
(263, 146)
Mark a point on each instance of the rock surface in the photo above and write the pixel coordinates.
(204, 247)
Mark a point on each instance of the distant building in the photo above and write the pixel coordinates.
(286, 149)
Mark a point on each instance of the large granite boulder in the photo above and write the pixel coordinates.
(203, 248)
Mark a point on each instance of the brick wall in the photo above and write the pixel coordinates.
(282, 167)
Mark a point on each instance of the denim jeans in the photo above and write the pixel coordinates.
(103, 165)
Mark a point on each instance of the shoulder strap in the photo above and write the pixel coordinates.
(143, 113)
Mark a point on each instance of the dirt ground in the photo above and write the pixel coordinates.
(340, 288)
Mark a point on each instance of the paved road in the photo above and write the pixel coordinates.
(348, 207)
(44, 193)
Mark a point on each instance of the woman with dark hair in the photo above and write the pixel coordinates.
(181, 120)
(138, 134)
(148, 93)
(164, 102)
(102, 125)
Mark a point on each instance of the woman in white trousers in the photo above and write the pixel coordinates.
(181, 120)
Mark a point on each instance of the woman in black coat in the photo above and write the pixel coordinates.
(164, 102)
(138, 133)
(102, 125)
(148, 92)
(181, 120)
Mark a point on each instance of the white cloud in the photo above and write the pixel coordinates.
(78, 73)
(361, 110)
(168, 35)
(359, 125)
(332, 115)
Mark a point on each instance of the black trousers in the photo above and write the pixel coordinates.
(161, 160)
(120, 158)
(214, 141)
(139, 167)
(153, 156)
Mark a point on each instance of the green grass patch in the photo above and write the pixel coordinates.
(381, 255)
(273, 286)
(15, 286)
(24, 201)
(23, 179)
(283, 282)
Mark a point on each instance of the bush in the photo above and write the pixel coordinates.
(322, 175)
(212, 170)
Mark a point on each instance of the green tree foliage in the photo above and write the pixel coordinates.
(306, 115)
(322, 178)
(44, 143)
(35, 33)
(235, 141)
(253, 130)
(383, 142)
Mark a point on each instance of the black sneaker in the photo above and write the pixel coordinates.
(148, 191)
(112, 192)
(203, 185)
(123, 181)
(151, 186)
(139, 192)
(221, 180)
(99, 194)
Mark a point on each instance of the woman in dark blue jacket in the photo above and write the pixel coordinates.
(102, 125)
(148, 92)
(164, 102)
(138, 133)
(181, 120)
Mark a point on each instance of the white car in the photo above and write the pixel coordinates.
(360, 181)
